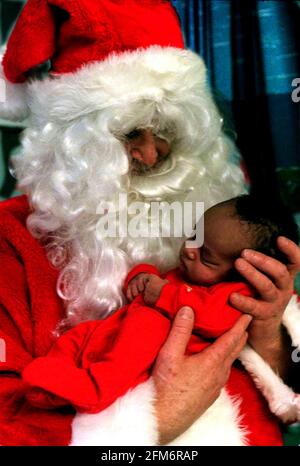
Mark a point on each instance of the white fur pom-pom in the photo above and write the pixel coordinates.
(13, 98)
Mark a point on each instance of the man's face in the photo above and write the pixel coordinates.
(224, 239)
(146, 150)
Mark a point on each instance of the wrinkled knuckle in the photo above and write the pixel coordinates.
(166, 359)
(215, 358)
(269, 287)
(250, 306)
(275, 296)
(282, 273)
(247, 305)
(181, 328)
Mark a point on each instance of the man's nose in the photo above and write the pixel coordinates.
(146, 148)
(143, 148)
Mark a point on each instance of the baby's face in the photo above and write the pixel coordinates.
(224, 239)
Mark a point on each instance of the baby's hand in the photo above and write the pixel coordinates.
(153, 288)
(137, 285)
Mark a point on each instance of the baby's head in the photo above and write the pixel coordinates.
(231, 226)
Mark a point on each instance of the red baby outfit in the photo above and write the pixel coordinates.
(96, 362)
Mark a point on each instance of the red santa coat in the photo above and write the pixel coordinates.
(30, 310)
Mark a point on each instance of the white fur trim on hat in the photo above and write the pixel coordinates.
(155, 73)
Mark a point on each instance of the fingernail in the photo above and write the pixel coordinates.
(186, 313)
(283, 240)
(248, 253)
(247, 319)
(241, 264)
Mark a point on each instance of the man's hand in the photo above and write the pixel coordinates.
(274, 283)
(187, 385)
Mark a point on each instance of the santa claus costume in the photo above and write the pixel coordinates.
(114, 68)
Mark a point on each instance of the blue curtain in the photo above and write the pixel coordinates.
(251, 49)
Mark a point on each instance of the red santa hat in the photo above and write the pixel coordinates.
(73, 34)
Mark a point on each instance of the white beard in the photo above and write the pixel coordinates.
(73, 162)
(93, 267)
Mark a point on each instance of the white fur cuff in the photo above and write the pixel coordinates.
(291, 320)
(283, 402)
(130, 420)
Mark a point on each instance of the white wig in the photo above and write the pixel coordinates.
(73, 162)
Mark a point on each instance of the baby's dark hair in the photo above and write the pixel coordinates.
(266, 220)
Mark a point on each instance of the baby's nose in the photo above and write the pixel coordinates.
(189, 253)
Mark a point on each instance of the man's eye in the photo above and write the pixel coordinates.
(133, 134)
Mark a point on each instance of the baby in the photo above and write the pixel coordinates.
(93, 364)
